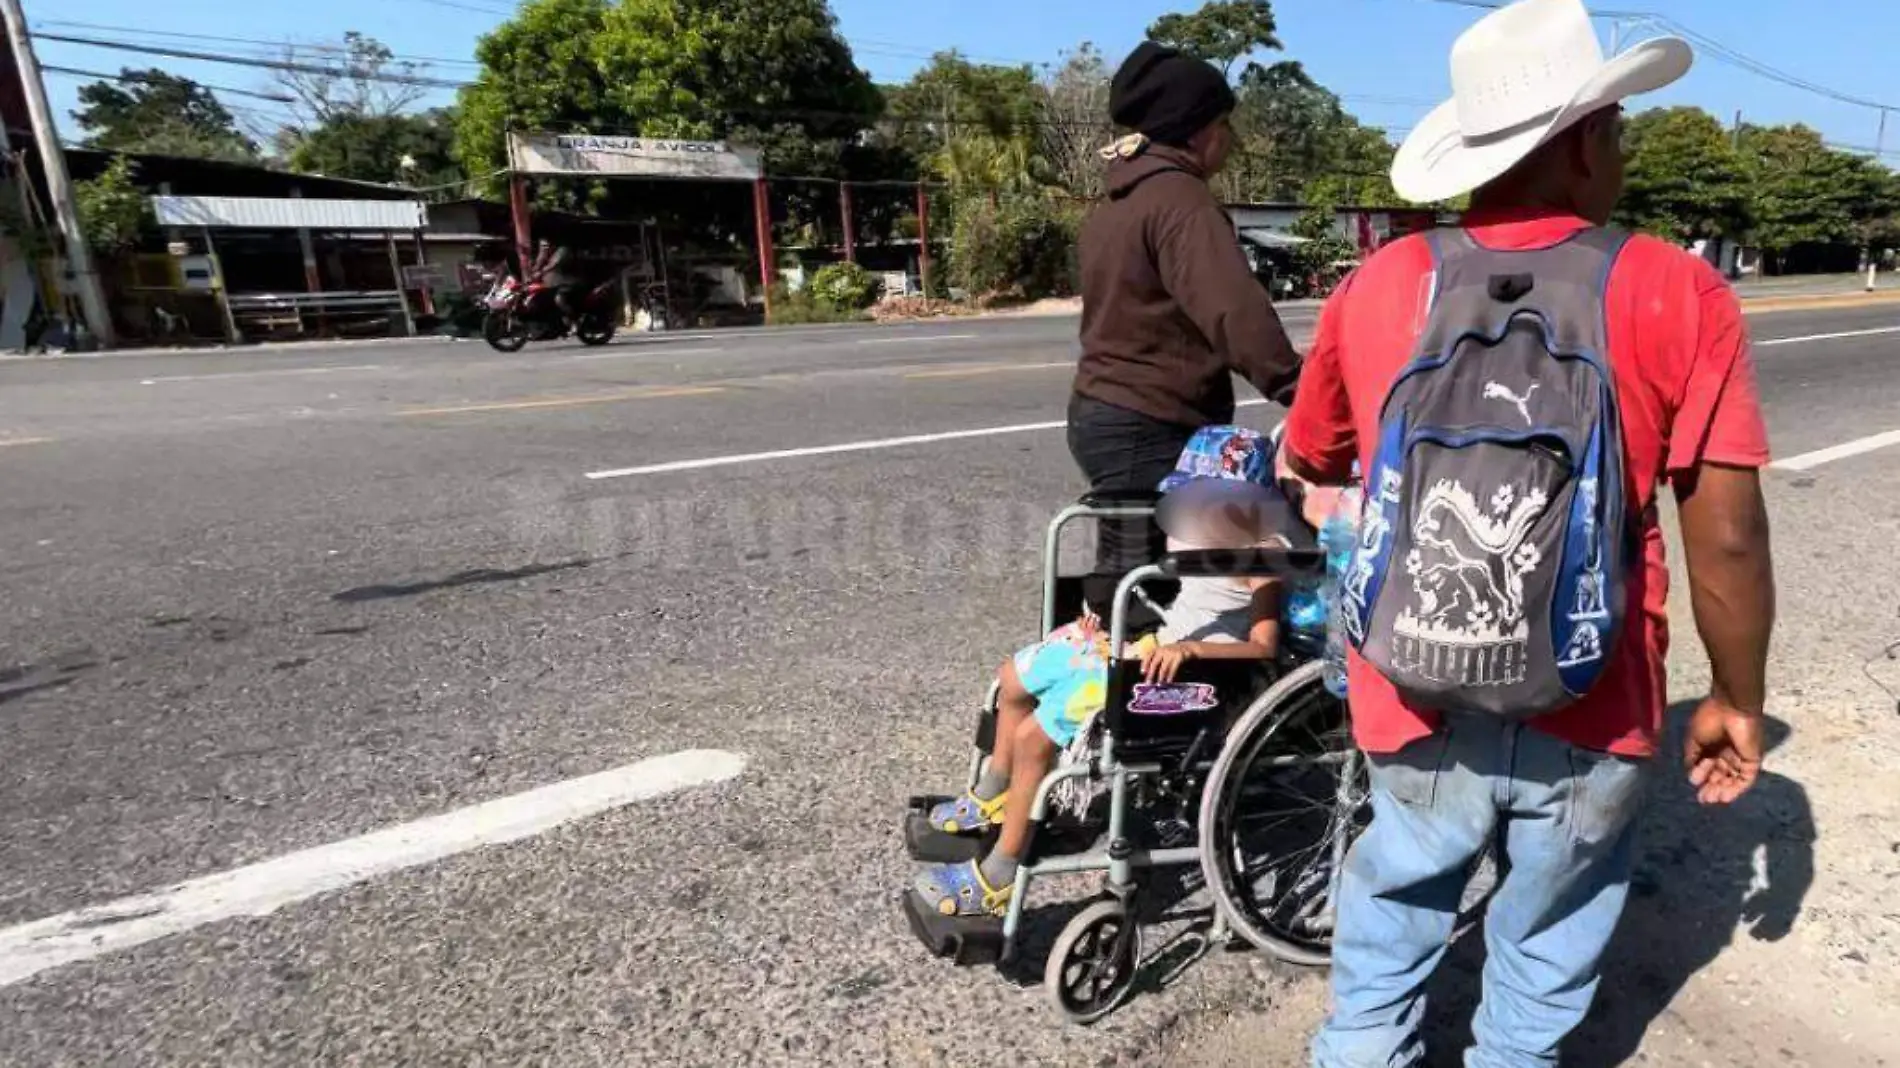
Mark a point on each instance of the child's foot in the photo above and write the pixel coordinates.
(961, 890)
(968, 814)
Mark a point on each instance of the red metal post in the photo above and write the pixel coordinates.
(518, 206)
(923, 238)
(850, 223)
(762, 218)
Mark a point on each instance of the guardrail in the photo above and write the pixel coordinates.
(276, 314)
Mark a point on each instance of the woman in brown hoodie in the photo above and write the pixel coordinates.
(1170, 310)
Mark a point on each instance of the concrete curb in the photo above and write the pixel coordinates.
(1758, 305)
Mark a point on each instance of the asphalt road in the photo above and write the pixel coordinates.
(258, 603)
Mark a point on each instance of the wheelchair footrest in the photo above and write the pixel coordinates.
(932, 844)
(963, 940)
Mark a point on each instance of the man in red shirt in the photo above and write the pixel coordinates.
(1535, 131)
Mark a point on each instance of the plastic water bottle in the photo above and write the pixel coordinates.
(1337, 538)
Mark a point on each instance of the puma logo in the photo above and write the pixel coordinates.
(1500, 391)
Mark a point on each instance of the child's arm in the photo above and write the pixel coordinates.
(1263, 640)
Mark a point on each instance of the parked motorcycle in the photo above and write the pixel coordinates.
(518, 314)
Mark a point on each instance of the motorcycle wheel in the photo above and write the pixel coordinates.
(594, 331)
(504, 332)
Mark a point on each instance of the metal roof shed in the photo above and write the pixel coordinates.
(302, 214)
(291, 213)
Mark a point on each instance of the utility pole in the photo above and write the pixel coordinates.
(1738, 129)
(59, 183)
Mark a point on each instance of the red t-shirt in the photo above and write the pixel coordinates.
(1686, 387)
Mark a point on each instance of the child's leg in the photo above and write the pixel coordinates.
(1014, 707)
(978, 808)
(1032, 754)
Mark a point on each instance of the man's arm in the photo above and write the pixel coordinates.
(1717, 446)
(1320, 441)
(1732, 591)
(1201, 264)
(1731, 578)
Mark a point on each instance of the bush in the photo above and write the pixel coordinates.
(845, 285)
(1022, 246)
(791, 307)
(113, 210)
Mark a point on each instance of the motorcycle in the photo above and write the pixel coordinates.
(518, 314)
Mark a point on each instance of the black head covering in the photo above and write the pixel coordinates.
(1166, 94)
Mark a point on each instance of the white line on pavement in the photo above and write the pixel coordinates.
(914, 340)
(848, 446)
(1809, 460)
(1827, 337)
(645, 352)
(988, 369)
(263, 888)
(260, 374)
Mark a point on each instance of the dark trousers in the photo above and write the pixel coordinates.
(1122, 450)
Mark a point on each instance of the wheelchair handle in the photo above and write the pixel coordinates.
(1240, 563)
(1204, 563)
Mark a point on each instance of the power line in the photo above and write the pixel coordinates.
(476, 8)
(134, 79)
(275, 48)
(1721, 52)
(417, 80)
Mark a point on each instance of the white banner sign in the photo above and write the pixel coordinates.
(632, 157)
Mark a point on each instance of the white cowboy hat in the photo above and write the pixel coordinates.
(1520, 77)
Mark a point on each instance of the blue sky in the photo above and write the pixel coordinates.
(1387, 57)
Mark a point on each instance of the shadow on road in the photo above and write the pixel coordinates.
(460, 578)
(1706, 877)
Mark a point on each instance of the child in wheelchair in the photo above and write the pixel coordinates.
(1224, 494)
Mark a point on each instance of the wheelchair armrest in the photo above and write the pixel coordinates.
(1241, 563)
(1132, 498)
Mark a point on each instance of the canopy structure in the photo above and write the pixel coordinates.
(590, 156)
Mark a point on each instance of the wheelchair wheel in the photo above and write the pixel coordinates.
(1281, 806)
(1092, 967)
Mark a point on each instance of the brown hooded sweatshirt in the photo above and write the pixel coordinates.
(1169, 307)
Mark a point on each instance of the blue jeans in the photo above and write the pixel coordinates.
(1564, 820)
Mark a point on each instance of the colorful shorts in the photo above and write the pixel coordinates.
(1067, 674)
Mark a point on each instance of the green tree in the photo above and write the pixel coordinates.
(1806, 193)
(1357, 168)
(410, 149)
(1222, 32)
(113, 210)
(772, 73)
(160, 113)
(971, 124)
(1685, 180)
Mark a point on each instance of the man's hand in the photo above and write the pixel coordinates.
(1164, 663)
(1722, 752)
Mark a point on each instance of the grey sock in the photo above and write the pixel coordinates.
(998, 870)
(991, 785)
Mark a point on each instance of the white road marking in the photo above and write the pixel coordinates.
(1827, 337)
(1809, 460)
(988, 369)
(263, 888)
(848, 446)
(649, 351)
(260, 374)
(914, 340)
(6, 443)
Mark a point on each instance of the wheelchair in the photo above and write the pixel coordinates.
(1244, 771)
